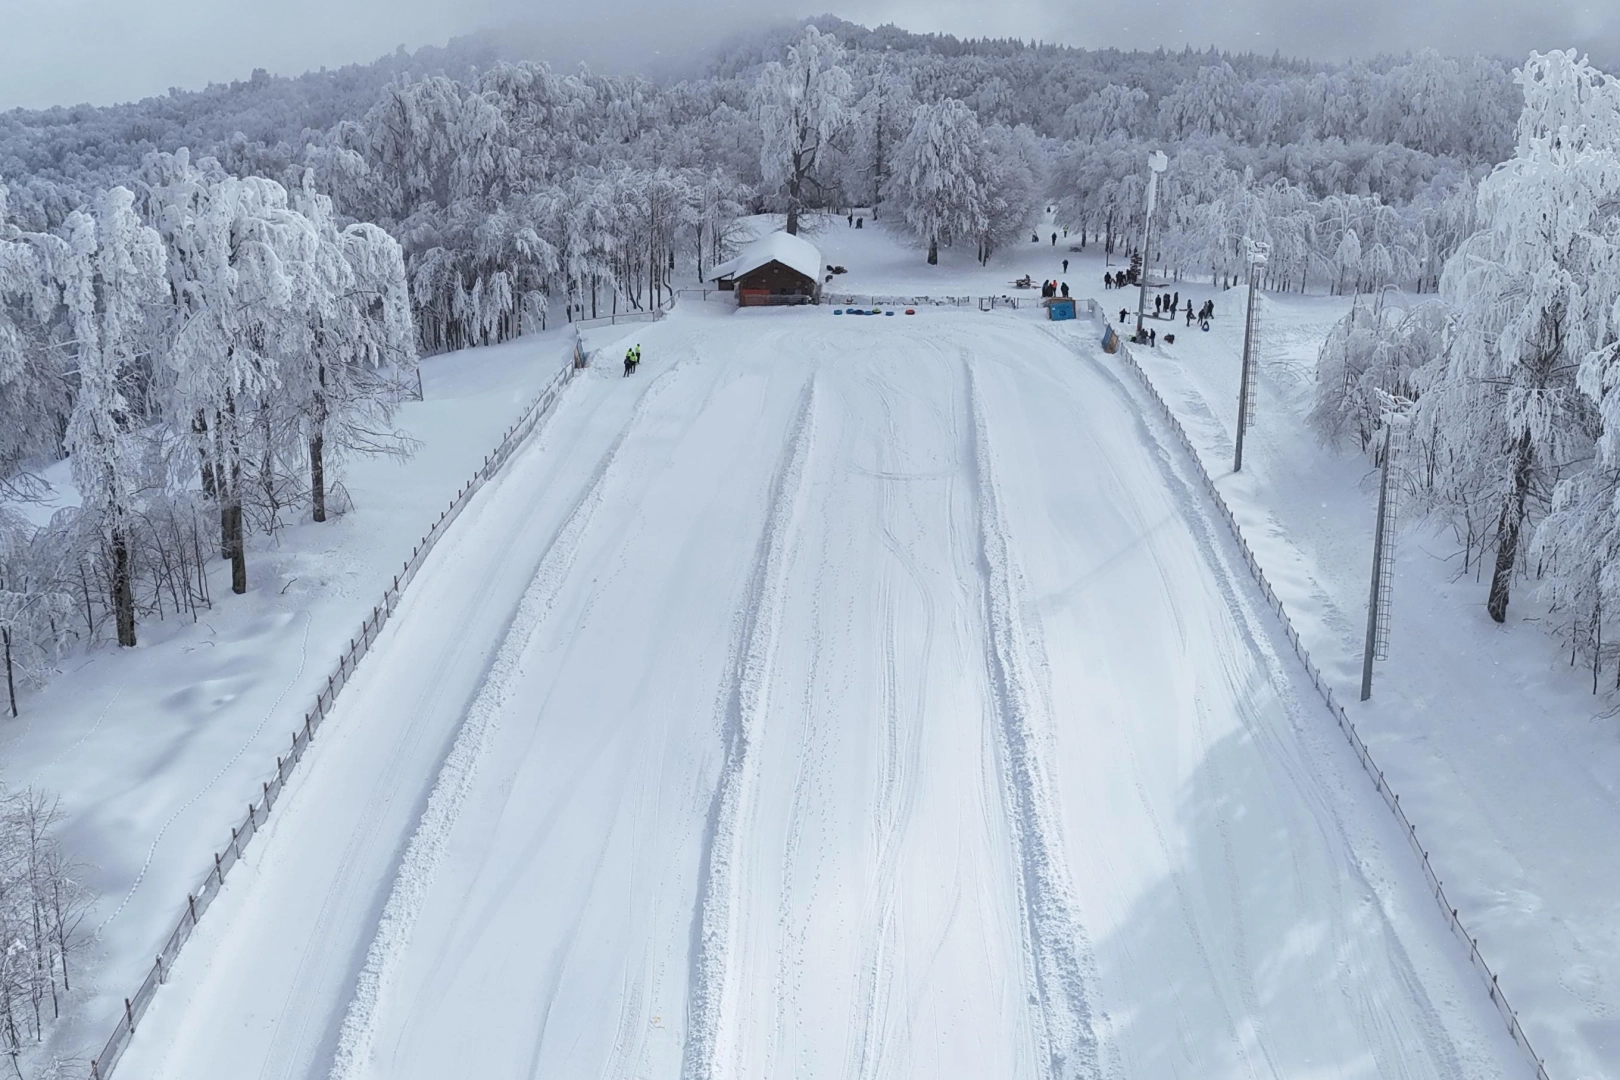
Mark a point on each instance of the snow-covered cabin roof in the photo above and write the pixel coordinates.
(793, 252)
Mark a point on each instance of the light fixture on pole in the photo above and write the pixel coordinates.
(1157, 163)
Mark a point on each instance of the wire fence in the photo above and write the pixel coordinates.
(983, 303)
(1346, 725)
(652, 314)
(258, 812)
(859, 300)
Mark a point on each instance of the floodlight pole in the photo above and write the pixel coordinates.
(1157, 163)
(1257, 258)
(1377, 594)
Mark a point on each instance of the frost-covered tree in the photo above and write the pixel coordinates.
(33, 398)
(938, 176)
(242, 269)
(1379, 348)
(1534, 293)
(344, 377)
(803, 103)
(1570, 131)
(1113, 111)
(1009, 178)
(113, 280)
(881, 121)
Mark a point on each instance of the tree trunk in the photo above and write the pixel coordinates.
(238, 552)
(11, 683)
(199, 428)
(231, 512)
(317, 476)
(123, 590)
(221, 486)
(317, 446)
(795, 191)
(933, 251)
(1508, 527)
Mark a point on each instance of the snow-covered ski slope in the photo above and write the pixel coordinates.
(839, 697)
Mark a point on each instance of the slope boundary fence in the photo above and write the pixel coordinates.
(844, 299)
(258, 812)
(1437, 890)
(647, 315)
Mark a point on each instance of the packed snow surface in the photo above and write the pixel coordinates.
(838, 697)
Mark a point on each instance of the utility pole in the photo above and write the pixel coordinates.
(1378, 595)
(1157, 163)
(1257, 259)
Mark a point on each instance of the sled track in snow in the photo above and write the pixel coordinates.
(1054, 937)
(429, 842)
(712, 1010)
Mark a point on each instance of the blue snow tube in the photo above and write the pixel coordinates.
(888, 313)
(838, 311)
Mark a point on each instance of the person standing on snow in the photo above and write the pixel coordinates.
(629, 361)
(1065, 266)
(1065, 290)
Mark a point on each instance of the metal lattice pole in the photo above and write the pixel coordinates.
(1376, 646)
(1157, 163)
(1257, 259)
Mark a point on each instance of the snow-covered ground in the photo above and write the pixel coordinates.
(1504, 759)
(838, 697)
(156, 751)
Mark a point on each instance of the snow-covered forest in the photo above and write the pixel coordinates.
(1508, 374)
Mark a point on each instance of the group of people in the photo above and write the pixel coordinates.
(1118, 281)
(632, 360)
(1050, 289)
(1165, 305)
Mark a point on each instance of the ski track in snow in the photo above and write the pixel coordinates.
(1056, 941)
(1256, 629)
(425, 853)
(884, 790)
(712, 1014)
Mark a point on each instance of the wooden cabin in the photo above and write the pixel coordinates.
(775, 270)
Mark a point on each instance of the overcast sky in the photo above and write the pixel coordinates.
(68, 51)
